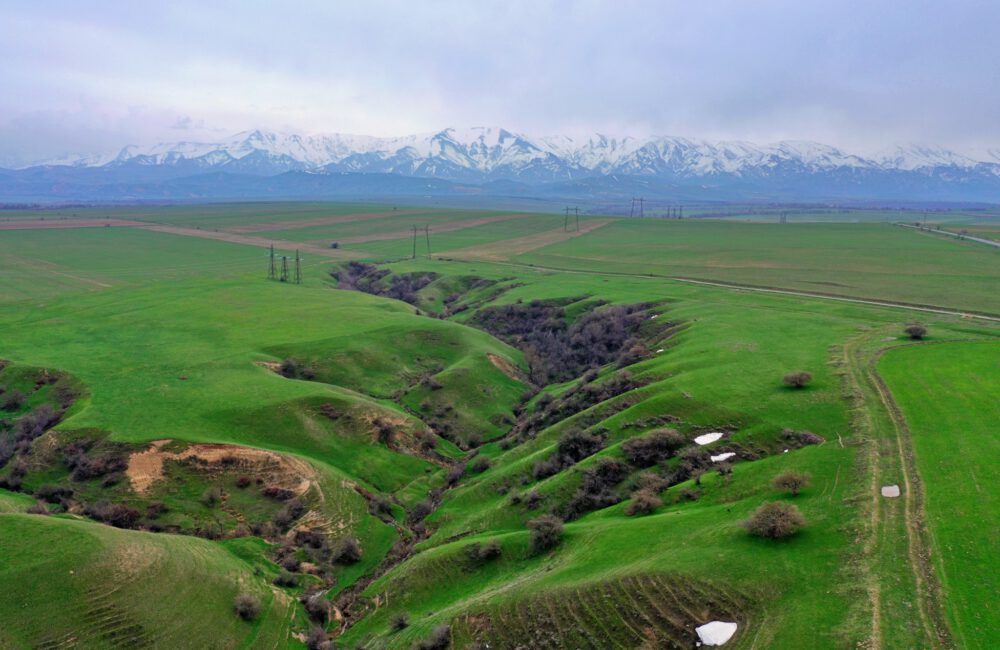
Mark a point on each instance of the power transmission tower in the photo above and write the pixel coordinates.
(680, 212)
(783, 218)
(284, 268)
(414, 255)
(576, 215)
(427, 232)
(298, 268)
(637, 202)
(271, 272)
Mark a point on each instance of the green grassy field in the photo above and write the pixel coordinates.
(947, 394)
(180, 337)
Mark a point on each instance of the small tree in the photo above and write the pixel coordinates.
(915, 331)
(798, 379)
(247, 606)
(643, 502)
(792, 482)
(546, 532)
(775, 520)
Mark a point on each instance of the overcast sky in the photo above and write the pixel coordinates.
(87, 75)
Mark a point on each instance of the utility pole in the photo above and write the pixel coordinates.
(576, 214)
(680, 212)
(427, 232)
(298, 267)
(284, 268)
(635, 202)
(271, 272)
(414, 255)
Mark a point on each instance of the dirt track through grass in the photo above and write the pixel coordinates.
(323, 221)
(505, 249)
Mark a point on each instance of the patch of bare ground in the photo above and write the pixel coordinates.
(322, 221)
(507, 367)
(146, 467)
(508, 248)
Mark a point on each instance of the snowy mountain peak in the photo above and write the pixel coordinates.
(493, 152)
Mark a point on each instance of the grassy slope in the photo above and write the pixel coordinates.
(132, 342)
(104, 587)
(948, 395)
(723, 369)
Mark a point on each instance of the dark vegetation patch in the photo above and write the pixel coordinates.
(558, 350)
(650, 611)
(583, 395)
(369, 278)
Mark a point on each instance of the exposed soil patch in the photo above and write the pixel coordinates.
(508, 368)
(146, 467)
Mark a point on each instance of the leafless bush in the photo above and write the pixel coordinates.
(652, 448)
(798, 379)
(915, 331)
(247, 606)
(775, 520)
(643, 502)
(546, 532)
(439, 639)
(791, 482)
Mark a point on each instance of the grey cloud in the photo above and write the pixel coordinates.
(858, 74)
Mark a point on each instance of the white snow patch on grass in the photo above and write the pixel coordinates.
(891, 491)
(716, 632)
(721, 457)
(708, 438)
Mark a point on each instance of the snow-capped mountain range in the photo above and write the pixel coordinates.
(495, 152)
(484, 155)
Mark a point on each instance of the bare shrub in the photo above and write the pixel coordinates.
(775, 520)
(243, 481)
(211, 497)
(791, 482)
(798, 379)
(286, 579)
(915, 331)
(346, 550)
(439, 639)
(546, 532)
(316, 605)
(652, 482)
(480, 465)
(12, 400)
(247, 606)
(643, 502)
(477, 553)
(400, 621)
(317, 636)
(380, 506)
(420, 510)
(652, 448)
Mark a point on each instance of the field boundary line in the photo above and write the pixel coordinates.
(933, 309)
(952, 235)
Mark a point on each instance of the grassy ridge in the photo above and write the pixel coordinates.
(948, 395)
(107, 588)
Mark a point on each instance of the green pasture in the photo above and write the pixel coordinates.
(948, 395)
